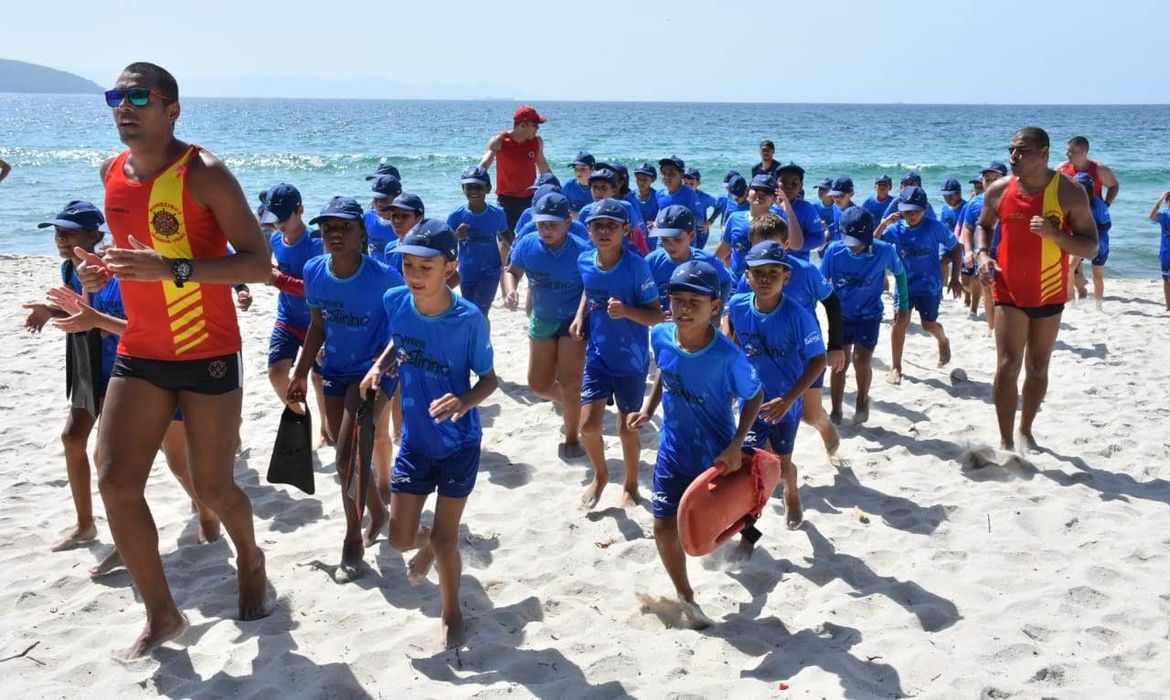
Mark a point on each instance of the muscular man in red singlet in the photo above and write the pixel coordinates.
(173, 210)
(1044, 217)
(1079, 162)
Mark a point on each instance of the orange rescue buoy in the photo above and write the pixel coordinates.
(717, 505)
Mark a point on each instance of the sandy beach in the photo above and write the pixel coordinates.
(929, 565)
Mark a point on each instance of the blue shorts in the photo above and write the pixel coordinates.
(781, 435)
(1164, 257)
(1102, 250)
(452, 476)
(626, 392)
(283, 344)
(819, 382)
(339, 385)
(480, 292)
(925, 304)
(670, 483)
(863, 332)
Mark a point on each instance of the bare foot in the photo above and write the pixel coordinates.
(350, 567)
(793, 512)
(155, 634)
(894, 377)
(378, 519)
(944, 353)
(861, 413)
(570, 450)
(253, 599)
(420, 565)
(592, 494)
(208, 525)
(742, 552)
(1007, 445)
(109, 564)
(453, 630)
(1026, 442)
(77, 537)
(630, 496)
(693, 615)
(832, 445)
(835, 417)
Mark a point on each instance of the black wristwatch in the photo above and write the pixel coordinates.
(181, 271)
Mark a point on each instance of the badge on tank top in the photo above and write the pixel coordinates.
(164, 222)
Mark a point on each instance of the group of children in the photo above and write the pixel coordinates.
(617, 279)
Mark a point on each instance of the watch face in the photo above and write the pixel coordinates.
(183, 270)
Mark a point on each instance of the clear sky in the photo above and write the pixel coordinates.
(996, 51)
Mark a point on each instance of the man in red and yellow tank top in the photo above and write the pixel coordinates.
(1044, 217)
(173, 208)
(1079, 162)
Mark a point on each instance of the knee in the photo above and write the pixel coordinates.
(1009, 363)
(540, 384)
(591, 423)
(665, 529)
(116, 486)
(400, 539)
(444, 542)
(74, 439)
(1036, 367)
(213, 493)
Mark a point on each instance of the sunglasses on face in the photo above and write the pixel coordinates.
(139, 97)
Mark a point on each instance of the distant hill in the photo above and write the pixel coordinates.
(18, 76)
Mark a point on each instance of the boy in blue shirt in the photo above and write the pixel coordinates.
(704, 203)
(805, 232)
(912, 179)
(783, 343)
(735, 243)
(618, 305)
(824, 203)
(437, 341)
(917, 241)
(855, 266)
(555, 358)
(673, 190)
(675, 229)
(700, 373)
(577, 189)
(841, 192)
(480, 229)
(344, 291)
(603, 184)
(1162, 219)
(644, 177)
(881, 199)
(735, 199)
(379, 225)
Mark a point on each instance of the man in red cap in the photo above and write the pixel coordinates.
(519, 155)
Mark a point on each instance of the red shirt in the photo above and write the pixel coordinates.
(163, 321)
(1033, 270)
(515, 166)
(1071, 170)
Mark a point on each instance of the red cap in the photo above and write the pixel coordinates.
(528, 113)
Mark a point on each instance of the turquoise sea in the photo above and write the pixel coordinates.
(325, 147)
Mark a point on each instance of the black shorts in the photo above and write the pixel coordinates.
(513, 207)
(1046, 311)
(212, 375)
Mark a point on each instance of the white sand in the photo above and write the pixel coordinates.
(1038, 578)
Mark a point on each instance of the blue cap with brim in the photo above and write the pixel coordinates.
(768, 253)
(608, 209)
(430, 238)
(283, 200)
(995, 166)
(339, 208)
(790, 167)
(385, 169)
(386, 187)
(826, 184)
(545, 179)
(856, 227)
(583, 158)
(951, 186)
(912, 198)
(841, 186)
(553, 206)
(647, 170)
(695, 276)
(476, 175)
(883, 179)
(737, 186)
(409, 202)
(673, 221)
(763, 181)
(78, 215)
(605, 174)
(674, 161)
(1084, 179)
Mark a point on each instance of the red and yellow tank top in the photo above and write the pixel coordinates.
(1033, 270)
(1071, 170)
(166, 322)
(515, 166)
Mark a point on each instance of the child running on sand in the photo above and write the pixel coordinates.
(675, 229)
(1162, 219)
(555, 358)
(344, 291)
(479, 227)
(437, 341)
(618, 305)
(700, 372)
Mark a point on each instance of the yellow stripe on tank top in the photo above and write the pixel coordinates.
(184, 304)
(1051, 277)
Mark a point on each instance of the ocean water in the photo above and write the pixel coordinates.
(325, 147)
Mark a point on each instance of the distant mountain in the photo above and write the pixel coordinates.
(18, 76)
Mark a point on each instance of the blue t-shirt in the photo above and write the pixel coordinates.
(779, 344)
(524, 219)
(918, 248)
(735, 234)
(479, 254)
(292, 310)
(650, 206)
(553, 276)
(379, 234)
(894, 207)
(662, 267)
(971, 212)
(618, 346)
(950, 215)
(107, 301)
(810, 224)
(697, 391)
(355, 322)
(727, 205)
(577, 194)
(576, 228)
(877, 209)
(857, 278)
(1164, 222)
(707, 206)
(805, 287)
(392, 258)
(436, 356)
(1101, 216)
(824, 213)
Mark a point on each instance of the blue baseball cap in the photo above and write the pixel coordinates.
(995, 166)
(693, 174)
(790, 167)
(283, 200)
(912, 198)
(675, 161)
(1084, 178)
(737, 186)
(583, 158)
(841, 185)
(386, 187)
(385, 169)
(543, 191)
(911, 177)
(476, 175)
(673, 221)
(553, 206)
(545, 179)
(730, 174)
(951, 186)
(620, 170)
(826, 184)
(856, 227)
(768, 253)
(78, 215)
(609, 209)
(883, 179)
(647, 169)
(763, 181)
(338, 208)
(976, 181)
(409, 202)
(430, 238)
(603, 174)
(695, 276)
